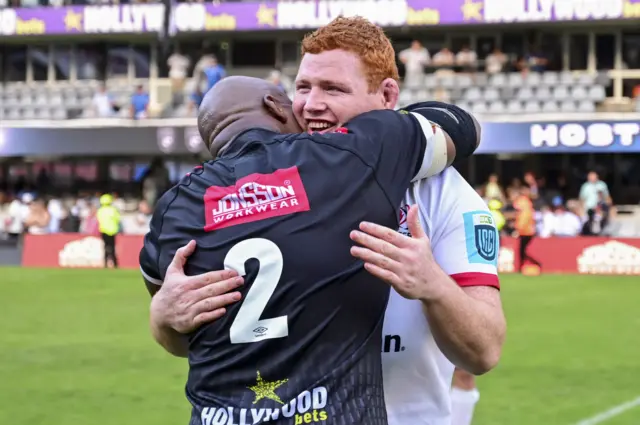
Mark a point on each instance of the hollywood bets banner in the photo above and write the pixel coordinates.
(303, 14)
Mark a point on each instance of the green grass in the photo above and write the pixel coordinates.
(75, 350)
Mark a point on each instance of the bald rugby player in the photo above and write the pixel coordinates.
(305, 341)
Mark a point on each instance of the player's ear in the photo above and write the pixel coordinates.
(390, 93)
(275, 108)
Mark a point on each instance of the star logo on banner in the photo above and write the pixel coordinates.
(266, 15)
(73, 21)
(264, 389)
(472, 10)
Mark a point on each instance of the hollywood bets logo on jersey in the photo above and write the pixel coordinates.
(306, 408)
(255, 197)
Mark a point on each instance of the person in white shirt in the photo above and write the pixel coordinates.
(444, 58)
(18, 213)
(178, 67)
(102, 103)
(568, 224)
(467, 59)
(546, 224)
(495, 61)
(56, 212)
(442, 274)
(415, 58)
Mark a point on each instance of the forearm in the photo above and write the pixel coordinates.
(470, 332)
(173, 342)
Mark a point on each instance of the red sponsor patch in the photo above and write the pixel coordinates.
(255, 197)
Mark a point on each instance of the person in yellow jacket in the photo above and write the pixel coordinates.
(109, 224)
(495, 206)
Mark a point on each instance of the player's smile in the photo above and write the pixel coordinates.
(320, 126)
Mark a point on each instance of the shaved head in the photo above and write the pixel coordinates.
(236, 104)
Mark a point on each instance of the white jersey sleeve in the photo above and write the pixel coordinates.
(463, 234)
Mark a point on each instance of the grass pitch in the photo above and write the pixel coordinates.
(75, 350)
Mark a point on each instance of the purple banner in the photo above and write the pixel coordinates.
(305, 14)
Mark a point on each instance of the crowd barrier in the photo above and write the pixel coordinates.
(582, 255)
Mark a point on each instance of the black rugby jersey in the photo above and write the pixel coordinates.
(303, 345)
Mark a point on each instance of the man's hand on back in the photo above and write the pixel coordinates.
(406, 263)
(467, 323)
(184, 303)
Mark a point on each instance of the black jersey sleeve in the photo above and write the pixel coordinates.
(394, 139)
(150, 252)
(396, 145)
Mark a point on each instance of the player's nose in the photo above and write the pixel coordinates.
(314, 101)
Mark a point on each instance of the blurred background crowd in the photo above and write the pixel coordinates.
(503, 73)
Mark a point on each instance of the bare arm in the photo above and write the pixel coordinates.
(184, 303)
(173, 342)
(468, 324)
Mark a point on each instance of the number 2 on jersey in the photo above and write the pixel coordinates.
(247, 327)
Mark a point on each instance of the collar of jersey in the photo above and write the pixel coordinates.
(245, 138)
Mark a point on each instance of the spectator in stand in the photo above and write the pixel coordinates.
(546, 222)
(594, 225)
(71, 222)
(568, 222)
(467, 59)
(142, 220)
(198, 70)
(594, 191)
(495, 61)
(213, 72)
(56, 213)
(90, 224)
(102, 104)
(140, 103)
(19, 210)
(415, 58)
(605, 208)
(492, 189)
(38, 218)
(533, 61)
(444, 60)
(178, 65)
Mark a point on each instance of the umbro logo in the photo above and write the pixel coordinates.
(392, 344)
(259, 331)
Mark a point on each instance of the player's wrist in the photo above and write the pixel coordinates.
(438, 285)
(157, 317)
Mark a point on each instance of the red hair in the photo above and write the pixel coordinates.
(359, 36)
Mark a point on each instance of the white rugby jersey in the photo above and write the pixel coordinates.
(465, 243)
